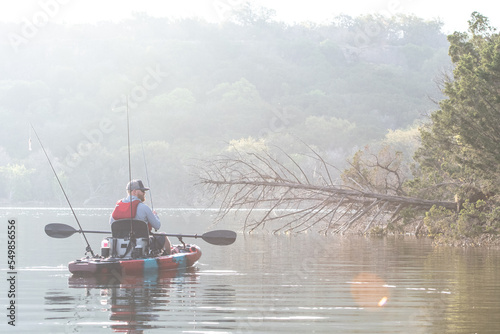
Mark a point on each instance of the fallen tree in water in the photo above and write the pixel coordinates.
(299, 192)
(453, 188)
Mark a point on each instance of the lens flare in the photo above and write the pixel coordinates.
(369, 290)
(382, 301)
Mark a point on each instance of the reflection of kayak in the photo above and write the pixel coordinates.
(133, 301)
(151, 278)
(185, 257)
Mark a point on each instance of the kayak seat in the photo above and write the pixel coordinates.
(121, 228)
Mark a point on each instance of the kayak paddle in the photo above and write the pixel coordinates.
(217, 237)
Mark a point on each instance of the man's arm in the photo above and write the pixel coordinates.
(152, 218)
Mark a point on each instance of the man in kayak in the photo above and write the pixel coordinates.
(136, 196)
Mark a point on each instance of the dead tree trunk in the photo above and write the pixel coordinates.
(275, 190)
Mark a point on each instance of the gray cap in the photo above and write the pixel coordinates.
(136, 185)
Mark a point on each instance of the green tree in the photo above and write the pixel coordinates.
(460, 150)
(462, 140)
(16, 179)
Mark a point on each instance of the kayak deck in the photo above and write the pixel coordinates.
(186, 257)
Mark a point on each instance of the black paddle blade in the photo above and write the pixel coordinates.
(56, 230)
(220, 237)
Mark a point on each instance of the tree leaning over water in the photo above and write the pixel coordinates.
(299, 192)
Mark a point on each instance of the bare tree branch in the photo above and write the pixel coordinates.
(275, 188)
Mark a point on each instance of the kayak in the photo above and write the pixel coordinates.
(183, 257)
(132, 249)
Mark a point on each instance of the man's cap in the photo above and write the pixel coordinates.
(136, 185)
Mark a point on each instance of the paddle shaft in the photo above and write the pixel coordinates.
(165, 234)
(218, 237)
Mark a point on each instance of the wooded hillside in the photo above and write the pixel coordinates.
(193, 87)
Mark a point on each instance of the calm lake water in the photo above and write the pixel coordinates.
(261, 284)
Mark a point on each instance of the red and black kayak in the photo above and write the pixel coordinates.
(129, 250)
(184, 258)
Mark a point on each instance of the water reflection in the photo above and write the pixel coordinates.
(263, 284)
(60, 302)
(134, 303)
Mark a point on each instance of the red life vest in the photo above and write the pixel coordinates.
(123, 211)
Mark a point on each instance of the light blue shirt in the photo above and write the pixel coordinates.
(143, 213)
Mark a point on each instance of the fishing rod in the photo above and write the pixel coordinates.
(147, 174)
(88, 249)
(143, 156)
(130, 173)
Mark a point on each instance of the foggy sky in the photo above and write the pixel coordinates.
(454, 14)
